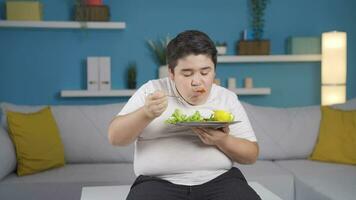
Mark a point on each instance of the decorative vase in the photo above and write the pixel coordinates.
(163, 71)
(221, 50)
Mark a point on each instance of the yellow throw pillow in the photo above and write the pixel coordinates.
(337, 137)
(37, 141)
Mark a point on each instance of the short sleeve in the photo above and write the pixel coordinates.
(242, 129)
(136, 101)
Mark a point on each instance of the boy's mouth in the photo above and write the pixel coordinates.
(201, 90)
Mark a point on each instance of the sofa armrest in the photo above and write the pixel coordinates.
(7, 154)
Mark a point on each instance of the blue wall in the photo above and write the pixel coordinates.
(35, 64)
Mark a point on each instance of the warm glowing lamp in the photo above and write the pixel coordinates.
(333, 68)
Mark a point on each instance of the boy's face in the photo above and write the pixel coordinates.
(194, 76)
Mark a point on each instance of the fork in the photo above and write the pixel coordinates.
(168, 95)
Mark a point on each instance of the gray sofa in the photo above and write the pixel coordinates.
(286, 138)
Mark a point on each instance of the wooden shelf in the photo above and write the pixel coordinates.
(270, 58)
(62, 24)
(128, 93)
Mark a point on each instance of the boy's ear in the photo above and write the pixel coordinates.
(171, 73)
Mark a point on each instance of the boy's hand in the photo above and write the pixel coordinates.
(212, 136)
(155, 104)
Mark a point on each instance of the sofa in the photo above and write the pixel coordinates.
(286, 137)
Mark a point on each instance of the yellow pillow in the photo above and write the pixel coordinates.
(337, 137)
(37, 141)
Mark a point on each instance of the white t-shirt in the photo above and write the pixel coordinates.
(176, 153)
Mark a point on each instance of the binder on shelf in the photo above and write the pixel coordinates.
(104, 73)
(92, 73)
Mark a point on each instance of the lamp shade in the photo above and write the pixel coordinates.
(333, 68)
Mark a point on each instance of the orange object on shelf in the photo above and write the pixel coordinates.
(94, 2)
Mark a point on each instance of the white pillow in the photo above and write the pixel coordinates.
(284, 133)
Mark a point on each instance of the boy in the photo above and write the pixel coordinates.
(174, 162)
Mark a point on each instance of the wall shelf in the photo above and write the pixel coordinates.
(128, 93)
(62, 24)
(270, 58)
(252, 91)
(98, 93)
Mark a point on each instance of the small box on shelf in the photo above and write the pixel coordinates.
(303, 45)
(24, 10)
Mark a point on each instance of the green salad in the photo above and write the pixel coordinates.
(178, 116)
(218, 115)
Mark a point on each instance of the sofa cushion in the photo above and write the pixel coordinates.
(284, 133)
(82, 128)
(337, 136)
(16, 108)
(287, 133)
(37, 141)
(7, 154)
(270, 175)
(318, 180)
(66, 182)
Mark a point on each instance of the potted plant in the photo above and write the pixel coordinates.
(132, 75)
(257, 46)
(159, 54)
(221, 47)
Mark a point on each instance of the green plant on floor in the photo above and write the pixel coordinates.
(159, 50)
(258, 8)
(132, 75)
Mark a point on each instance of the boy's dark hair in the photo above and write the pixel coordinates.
(191, 42)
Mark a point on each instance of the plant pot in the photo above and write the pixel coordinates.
(221, 50)
(253, 47)
(163, 71)
(92, 13)
(131, 84)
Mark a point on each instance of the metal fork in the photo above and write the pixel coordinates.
(168, 95)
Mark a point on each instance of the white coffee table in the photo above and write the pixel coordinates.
(120, 192)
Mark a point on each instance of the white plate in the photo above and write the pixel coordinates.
(206, 124)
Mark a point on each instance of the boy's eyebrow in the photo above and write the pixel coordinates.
(186, 70)
(203, 68)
